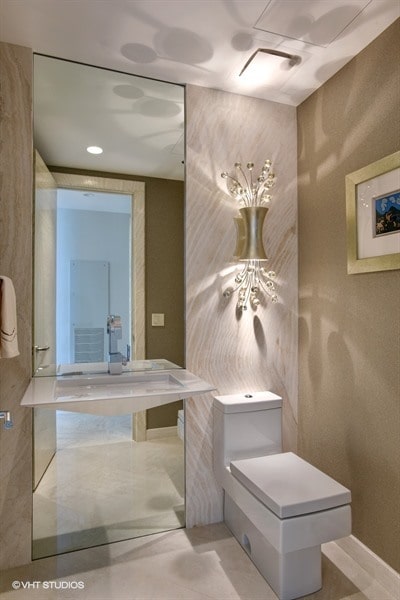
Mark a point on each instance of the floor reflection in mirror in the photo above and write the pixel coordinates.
(102, 487)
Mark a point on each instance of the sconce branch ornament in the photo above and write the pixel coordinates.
(253, 195)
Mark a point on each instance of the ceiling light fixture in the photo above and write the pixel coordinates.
(293, 59)
(94, 150)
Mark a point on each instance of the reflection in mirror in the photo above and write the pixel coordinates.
(139, 124)
(100, 479)
(91, 225)
(87, 230)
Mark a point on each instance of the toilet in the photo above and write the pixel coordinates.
(279, 507)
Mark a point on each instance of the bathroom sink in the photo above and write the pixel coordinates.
(115, 386)
(104, 394)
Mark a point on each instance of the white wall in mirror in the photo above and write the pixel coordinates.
(93, 273)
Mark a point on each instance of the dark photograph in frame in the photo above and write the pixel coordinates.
(386, 214)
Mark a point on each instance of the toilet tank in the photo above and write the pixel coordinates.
(245, 426)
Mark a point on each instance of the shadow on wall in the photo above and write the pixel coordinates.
(348, 121)
(259, 336)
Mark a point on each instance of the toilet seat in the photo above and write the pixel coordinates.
(288, 485)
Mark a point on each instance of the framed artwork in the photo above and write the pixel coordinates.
(373, 216)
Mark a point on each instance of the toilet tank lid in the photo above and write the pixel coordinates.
(246, 402)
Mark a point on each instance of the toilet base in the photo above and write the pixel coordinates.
(290, 575)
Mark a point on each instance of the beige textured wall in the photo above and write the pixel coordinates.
(349, 418)
(16, 262)
(165, 282)
(259, 350)
(164, 268)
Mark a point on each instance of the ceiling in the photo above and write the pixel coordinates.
(138, 122)
(200, 42)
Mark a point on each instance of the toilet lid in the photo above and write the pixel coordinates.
(239, 403)
(288, 485)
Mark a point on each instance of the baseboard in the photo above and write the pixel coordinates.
(379, 571)
(162, 432)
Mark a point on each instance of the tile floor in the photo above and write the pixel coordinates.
(204, 563)
(102, 487)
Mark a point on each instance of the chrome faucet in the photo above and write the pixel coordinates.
(115, 358)
(6, 415)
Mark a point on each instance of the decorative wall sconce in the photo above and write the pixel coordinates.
(253, 196)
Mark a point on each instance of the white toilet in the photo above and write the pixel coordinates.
(279, 507)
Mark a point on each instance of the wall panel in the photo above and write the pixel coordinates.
(349, 414)
(16, 162)
(257, 350)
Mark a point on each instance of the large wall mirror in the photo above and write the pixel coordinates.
(138, 124)
(108, 240)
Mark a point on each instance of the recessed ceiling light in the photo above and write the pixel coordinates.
(94, 149)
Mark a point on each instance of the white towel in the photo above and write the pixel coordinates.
(8, 319)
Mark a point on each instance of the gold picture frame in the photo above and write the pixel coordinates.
(367, 250)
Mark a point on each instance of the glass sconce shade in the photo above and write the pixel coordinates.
(253, 220)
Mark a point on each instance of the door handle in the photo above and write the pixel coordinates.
(41, 348)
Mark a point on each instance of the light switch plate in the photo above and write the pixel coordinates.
(157, 319)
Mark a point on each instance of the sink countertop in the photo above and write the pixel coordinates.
(54, 370)
(101, 393)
